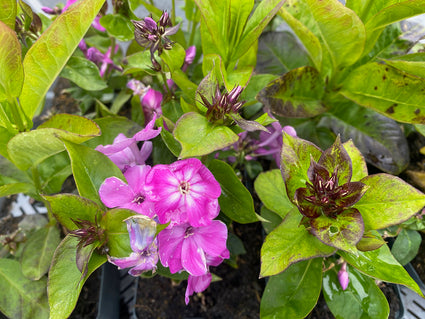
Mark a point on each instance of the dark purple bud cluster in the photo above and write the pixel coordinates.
(88, 233)
(324, 195)
(223, 104)
(153, 35)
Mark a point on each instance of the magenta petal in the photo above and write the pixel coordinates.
(96, 24)
(136, 177)
(212, 238)
(197, 211)
(120, 143)
(190, 54)
(115, 193)
(193, 258)
(170, 243)
(150, 24)
(148, 132)
(152, 99)
(196, 284)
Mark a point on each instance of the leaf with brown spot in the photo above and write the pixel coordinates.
(398, 94)
(297, 93)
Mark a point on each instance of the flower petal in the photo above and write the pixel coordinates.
(193, 258)
(115, 193)
(212, 238)
(196, 284)
(170, 243)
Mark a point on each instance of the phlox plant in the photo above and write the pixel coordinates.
(172, 128)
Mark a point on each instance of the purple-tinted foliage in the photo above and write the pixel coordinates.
(184, 247)
(116, 193)
(185, 191)
(144, 245)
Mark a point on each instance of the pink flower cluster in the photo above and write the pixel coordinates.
(183, 195)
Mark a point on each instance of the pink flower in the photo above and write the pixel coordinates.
(196, 284)
(144, 245)
(184, 247)
(151, 104)
(185, 191)
(115, 193)
(125, 153)
(343, 276)
(102, 60)
(137, 87)
(271, 143)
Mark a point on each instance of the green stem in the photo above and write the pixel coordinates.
(192, 33)
(14, 108)
(5, 119)
(173, 12)
(164, 78)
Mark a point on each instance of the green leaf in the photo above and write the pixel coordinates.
(327, 20)
(90, 169)
(289, 243)
(12, 73)
(53, 171)
(116, 231)
(358, 164)
(84, 73)
(297, 93)
(16, 188)
(393, 11)
(342, 232)
(271, 219)
(30, 148)
(406, 246)
(67, 206)
(199, 137)
(388, 201)
(264, 12)
(295, 162)
(362, 299)
(275, 58)
(49, 54)
(380, 264)
(379, 138)
(270, 187)
(171, 142)
(21, 298)
(38, 252)
(306, 36)
(140, 61)
(174, 58)
(8, 10)
(118, 26)
(411, 63)
(65, 280)
(235, 200)
(388, 91)
(293, 293)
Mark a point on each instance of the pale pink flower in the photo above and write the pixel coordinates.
(185, 191)
(184, 247)
(144, 245)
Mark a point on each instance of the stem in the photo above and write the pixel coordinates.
(164, 78)
(173, 12)
(14, 108)
(7, 122)
(192, 33)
